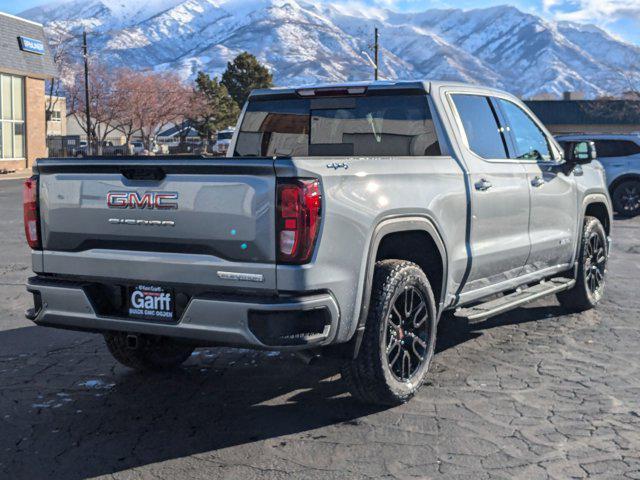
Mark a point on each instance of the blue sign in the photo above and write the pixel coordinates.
(31, 45)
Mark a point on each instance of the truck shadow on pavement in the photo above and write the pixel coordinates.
(454, 331)
(71, 414)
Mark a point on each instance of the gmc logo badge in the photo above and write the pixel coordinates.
(150, 200)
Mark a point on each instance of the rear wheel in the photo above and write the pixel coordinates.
(592, 265)
(147, 352)
(399, 337)
(626, 198)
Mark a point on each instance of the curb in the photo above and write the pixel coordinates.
(19, 175)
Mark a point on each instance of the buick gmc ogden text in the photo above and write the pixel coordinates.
(344, 221)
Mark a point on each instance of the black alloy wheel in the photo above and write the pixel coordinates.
(595, 262)
(626, 198)
(399, 338)
(407, 333)
(588, 290)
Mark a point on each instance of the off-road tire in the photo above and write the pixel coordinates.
(581, 297)
(151, 353)
(622, 204)
(369, 376)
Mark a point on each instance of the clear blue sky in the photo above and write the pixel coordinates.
(619, 17)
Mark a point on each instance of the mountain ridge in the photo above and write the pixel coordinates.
(303, 42)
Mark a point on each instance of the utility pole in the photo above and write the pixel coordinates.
(375, 51)
(87, 109)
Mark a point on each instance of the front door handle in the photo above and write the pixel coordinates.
(483, 185)
(538, 182)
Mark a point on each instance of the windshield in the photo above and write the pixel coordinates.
(381, 125)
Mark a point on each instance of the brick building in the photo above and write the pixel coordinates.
(25, 65)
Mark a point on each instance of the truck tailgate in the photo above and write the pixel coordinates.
(209, 222)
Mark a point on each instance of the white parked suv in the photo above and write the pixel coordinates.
(223, 141)
(620, 156)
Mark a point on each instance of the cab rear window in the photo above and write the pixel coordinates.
(381, 125)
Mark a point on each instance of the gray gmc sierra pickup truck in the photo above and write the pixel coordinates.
(344, 221)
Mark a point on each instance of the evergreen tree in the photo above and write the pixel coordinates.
(244, 74)
(214, 109)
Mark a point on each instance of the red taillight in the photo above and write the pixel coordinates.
(298, 222)
(31, 215)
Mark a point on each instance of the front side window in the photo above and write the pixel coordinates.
(481, 126)
(377, 125)
(529, 141)
(12, 128)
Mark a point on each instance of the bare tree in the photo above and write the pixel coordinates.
(622, 108)
(632, 79)
(130, 102)
(103, 99)
(61, 44)
(126, 87)
(155, 101)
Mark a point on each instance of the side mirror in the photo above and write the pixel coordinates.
(580, 153)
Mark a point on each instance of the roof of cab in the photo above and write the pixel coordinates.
(425, 85)
(371, 85)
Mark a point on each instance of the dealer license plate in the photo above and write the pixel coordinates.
(151, 302)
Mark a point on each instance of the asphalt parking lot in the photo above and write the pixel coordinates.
(535, 393)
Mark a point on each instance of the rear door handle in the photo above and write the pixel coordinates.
(538, 182)
(483, 185)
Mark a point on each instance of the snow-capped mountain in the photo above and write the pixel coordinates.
(305, 42)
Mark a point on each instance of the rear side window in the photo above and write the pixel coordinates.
(481, 126)
(381, 125)
(528, 141)
(616, 148)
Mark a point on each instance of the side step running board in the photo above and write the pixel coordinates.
(515, 299)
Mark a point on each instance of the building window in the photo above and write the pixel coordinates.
(54, 116)
(12, 129)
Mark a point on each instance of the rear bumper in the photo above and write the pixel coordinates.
(247, 321)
